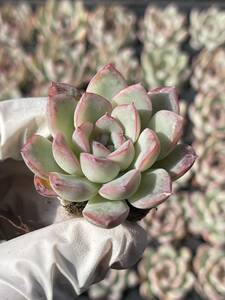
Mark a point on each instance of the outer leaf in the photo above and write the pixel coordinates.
(122, 187)
(107, 82)
(60, 111)
(105, 213)
(136, 94)
(128, 116)
(99, 150)
(72, 188)
(147, 150)
(57, 88)
(164, 98)
(124, 155)
(98, 169)
(154, 189)
(81, 137)
(179, 161)
(90, 108)
(43, 187)
(168, 127)
(64, 156)
(37, 154)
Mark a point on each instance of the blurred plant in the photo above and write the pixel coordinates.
(210, 165)
(54, 61)
(209, 72)
(167, 222)
(68, 20)
(209, 266)
(206, 215)
(207, 113)
(12, 72)
(207, 28)
(16, 23)
(164, 67)
(111, 27)
(113, 286)
(162, 28)
(165, 273)
(111, 38)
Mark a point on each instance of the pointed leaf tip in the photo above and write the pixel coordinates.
(57, 88)
(107, 82)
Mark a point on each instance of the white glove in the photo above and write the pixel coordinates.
(63, 259)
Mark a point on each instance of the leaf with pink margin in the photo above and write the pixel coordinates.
(72, 188)
(37, 154)
(43, 187)
(81, 137)
(179, 161)
(147, 149)
(90, 108)
(98, 169)
(57, 88)
(64, 156)
(136, 94)
(107, 124)
(155, 188)
(60, 112)
(99, 149)
(122, 187)
(105, 213)
(107, 82)
(128, 116)
(124, 155)
(164, 98)
(169, 128)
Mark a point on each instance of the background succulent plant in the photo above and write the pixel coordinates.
(209, 266)
(114, 285)
(163, 28)
(165, 273)
(115, 148)
(164, 67)
(208, 72)
(167, 222)
(207, 28)
(207, 215)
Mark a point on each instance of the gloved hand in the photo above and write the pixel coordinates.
(65, 255)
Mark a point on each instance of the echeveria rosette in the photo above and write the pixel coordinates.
(206, 215)
(167, 222)
(209, 266)
(165, 273)
(114, 148)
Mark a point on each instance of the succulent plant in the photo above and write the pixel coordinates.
(53, 60)
(207, 28)
(16, 23)
(12, 72)
(113, 285)
(209, 266)
(67, 20)
(163, 28)
(164, 67)
(115, 148)
(165, 273)
(206, 215)
(114, 28)
(209, 169)
(208, 116)
(167, 222)
(209, 72)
